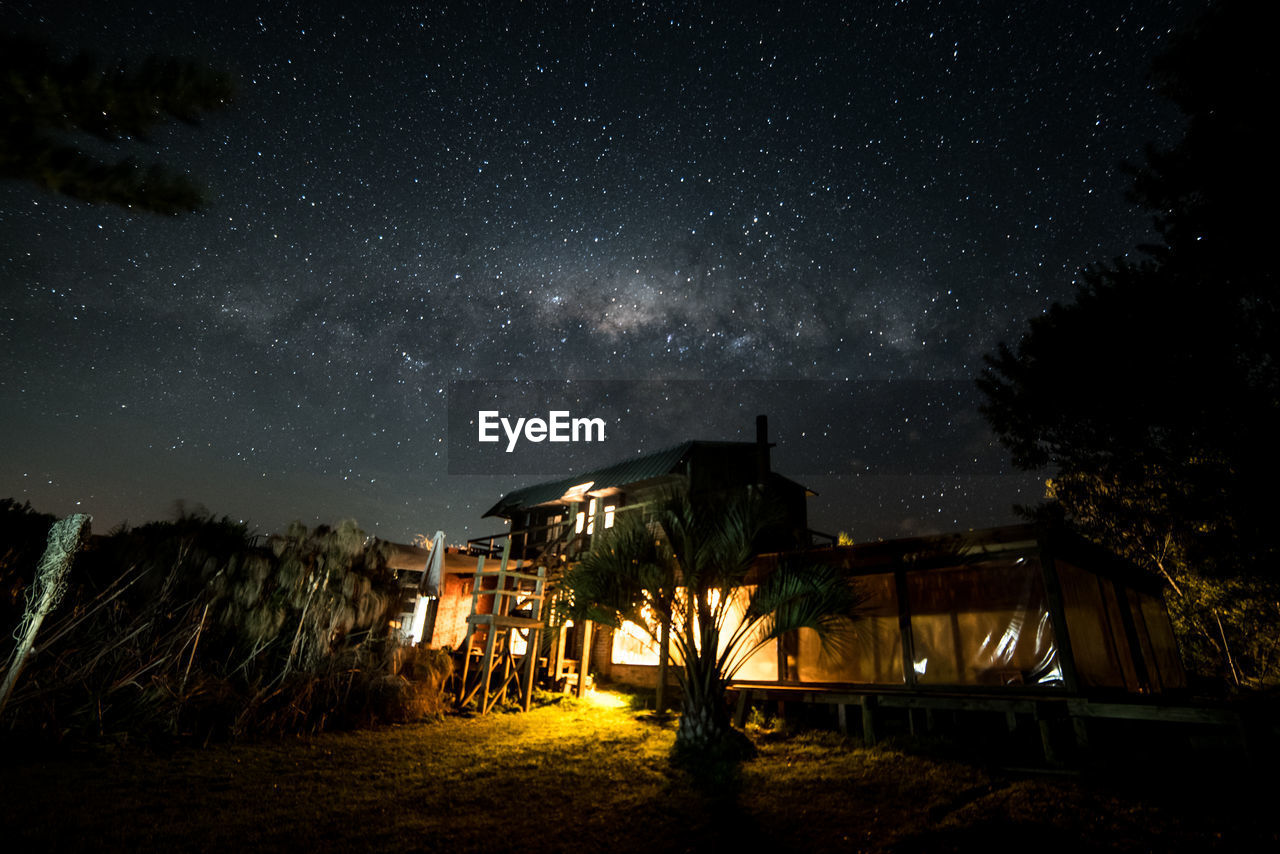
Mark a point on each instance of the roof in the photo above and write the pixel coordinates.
(945, 550)
(414, 559)
(628, 472)
(646, 467)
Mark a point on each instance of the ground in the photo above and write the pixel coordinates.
(584, 776)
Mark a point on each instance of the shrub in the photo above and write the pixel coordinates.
(189, 628)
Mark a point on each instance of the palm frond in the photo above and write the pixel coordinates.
(797, 596)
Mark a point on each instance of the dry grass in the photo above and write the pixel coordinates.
(576, 776)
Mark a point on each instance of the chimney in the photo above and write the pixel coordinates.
(762, 450)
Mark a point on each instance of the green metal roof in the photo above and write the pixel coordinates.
(645, 467)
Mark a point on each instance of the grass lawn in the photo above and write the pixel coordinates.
(578, 776)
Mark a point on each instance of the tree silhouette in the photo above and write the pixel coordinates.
(688, 566)
(49, 105)
(1155, 394)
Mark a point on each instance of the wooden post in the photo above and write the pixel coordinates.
(463, 694)
(740, 710)
(904, 628)
(584, 660)
(1044, 719)
(1046, 743)
(842, 717)
(868, 720)
(505, 655)
(466, 661)
(1081, 728)
(535, 637)
(557, 658)
(664, 651)
(1058, 614)
(486, 667)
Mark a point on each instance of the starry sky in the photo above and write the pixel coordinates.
(408, 195)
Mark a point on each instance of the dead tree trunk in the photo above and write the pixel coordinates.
(46, 589)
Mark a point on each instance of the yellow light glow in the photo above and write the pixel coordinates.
(606, 700)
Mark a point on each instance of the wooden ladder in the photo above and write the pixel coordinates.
(512, 586)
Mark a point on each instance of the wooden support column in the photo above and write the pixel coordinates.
(904, 628)
(471, 630)
(740, 710)
(1045, 717)
(1058, 614)
(842, 716)
(486, 668)
(505, 655)
(557, 657)
(1080, 726)
(868, 720)
(535, 639)
(584, 660)
(664, 650)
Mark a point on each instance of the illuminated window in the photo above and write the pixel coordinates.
(633, 644)
(608, 514)
(519, 642)
(591, 517)
(580, 522)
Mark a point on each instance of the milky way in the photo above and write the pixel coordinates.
(405, 195)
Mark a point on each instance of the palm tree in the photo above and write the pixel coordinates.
(687, 569)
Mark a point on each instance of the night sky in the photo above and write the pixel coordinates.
(408, 194)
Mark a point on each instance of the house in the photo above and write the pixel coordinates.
(443, 618)
(564, 514)
(1021, 620)
(553, 523)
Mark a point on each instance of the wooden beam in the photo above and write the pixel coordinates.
(904, 627)
(740, 709)
(584, 660)
(869, 721)
(1058, 614)
(486, 668)
(1150, 712)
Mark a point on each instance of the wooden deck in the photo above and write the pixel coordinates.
(1053, 710)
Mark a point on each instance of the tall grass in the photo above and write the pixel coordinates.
(190, 629)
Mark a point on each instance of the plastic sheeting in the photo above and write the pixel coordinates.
(1120, 638)
(874, 652)
(982, 624)
(979, 624)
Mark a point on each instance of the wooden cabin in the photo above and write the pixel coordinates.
(564, 514)
(553, 523)
(445, 618)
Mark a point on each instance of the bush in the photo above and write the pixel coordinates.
(188, 628)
